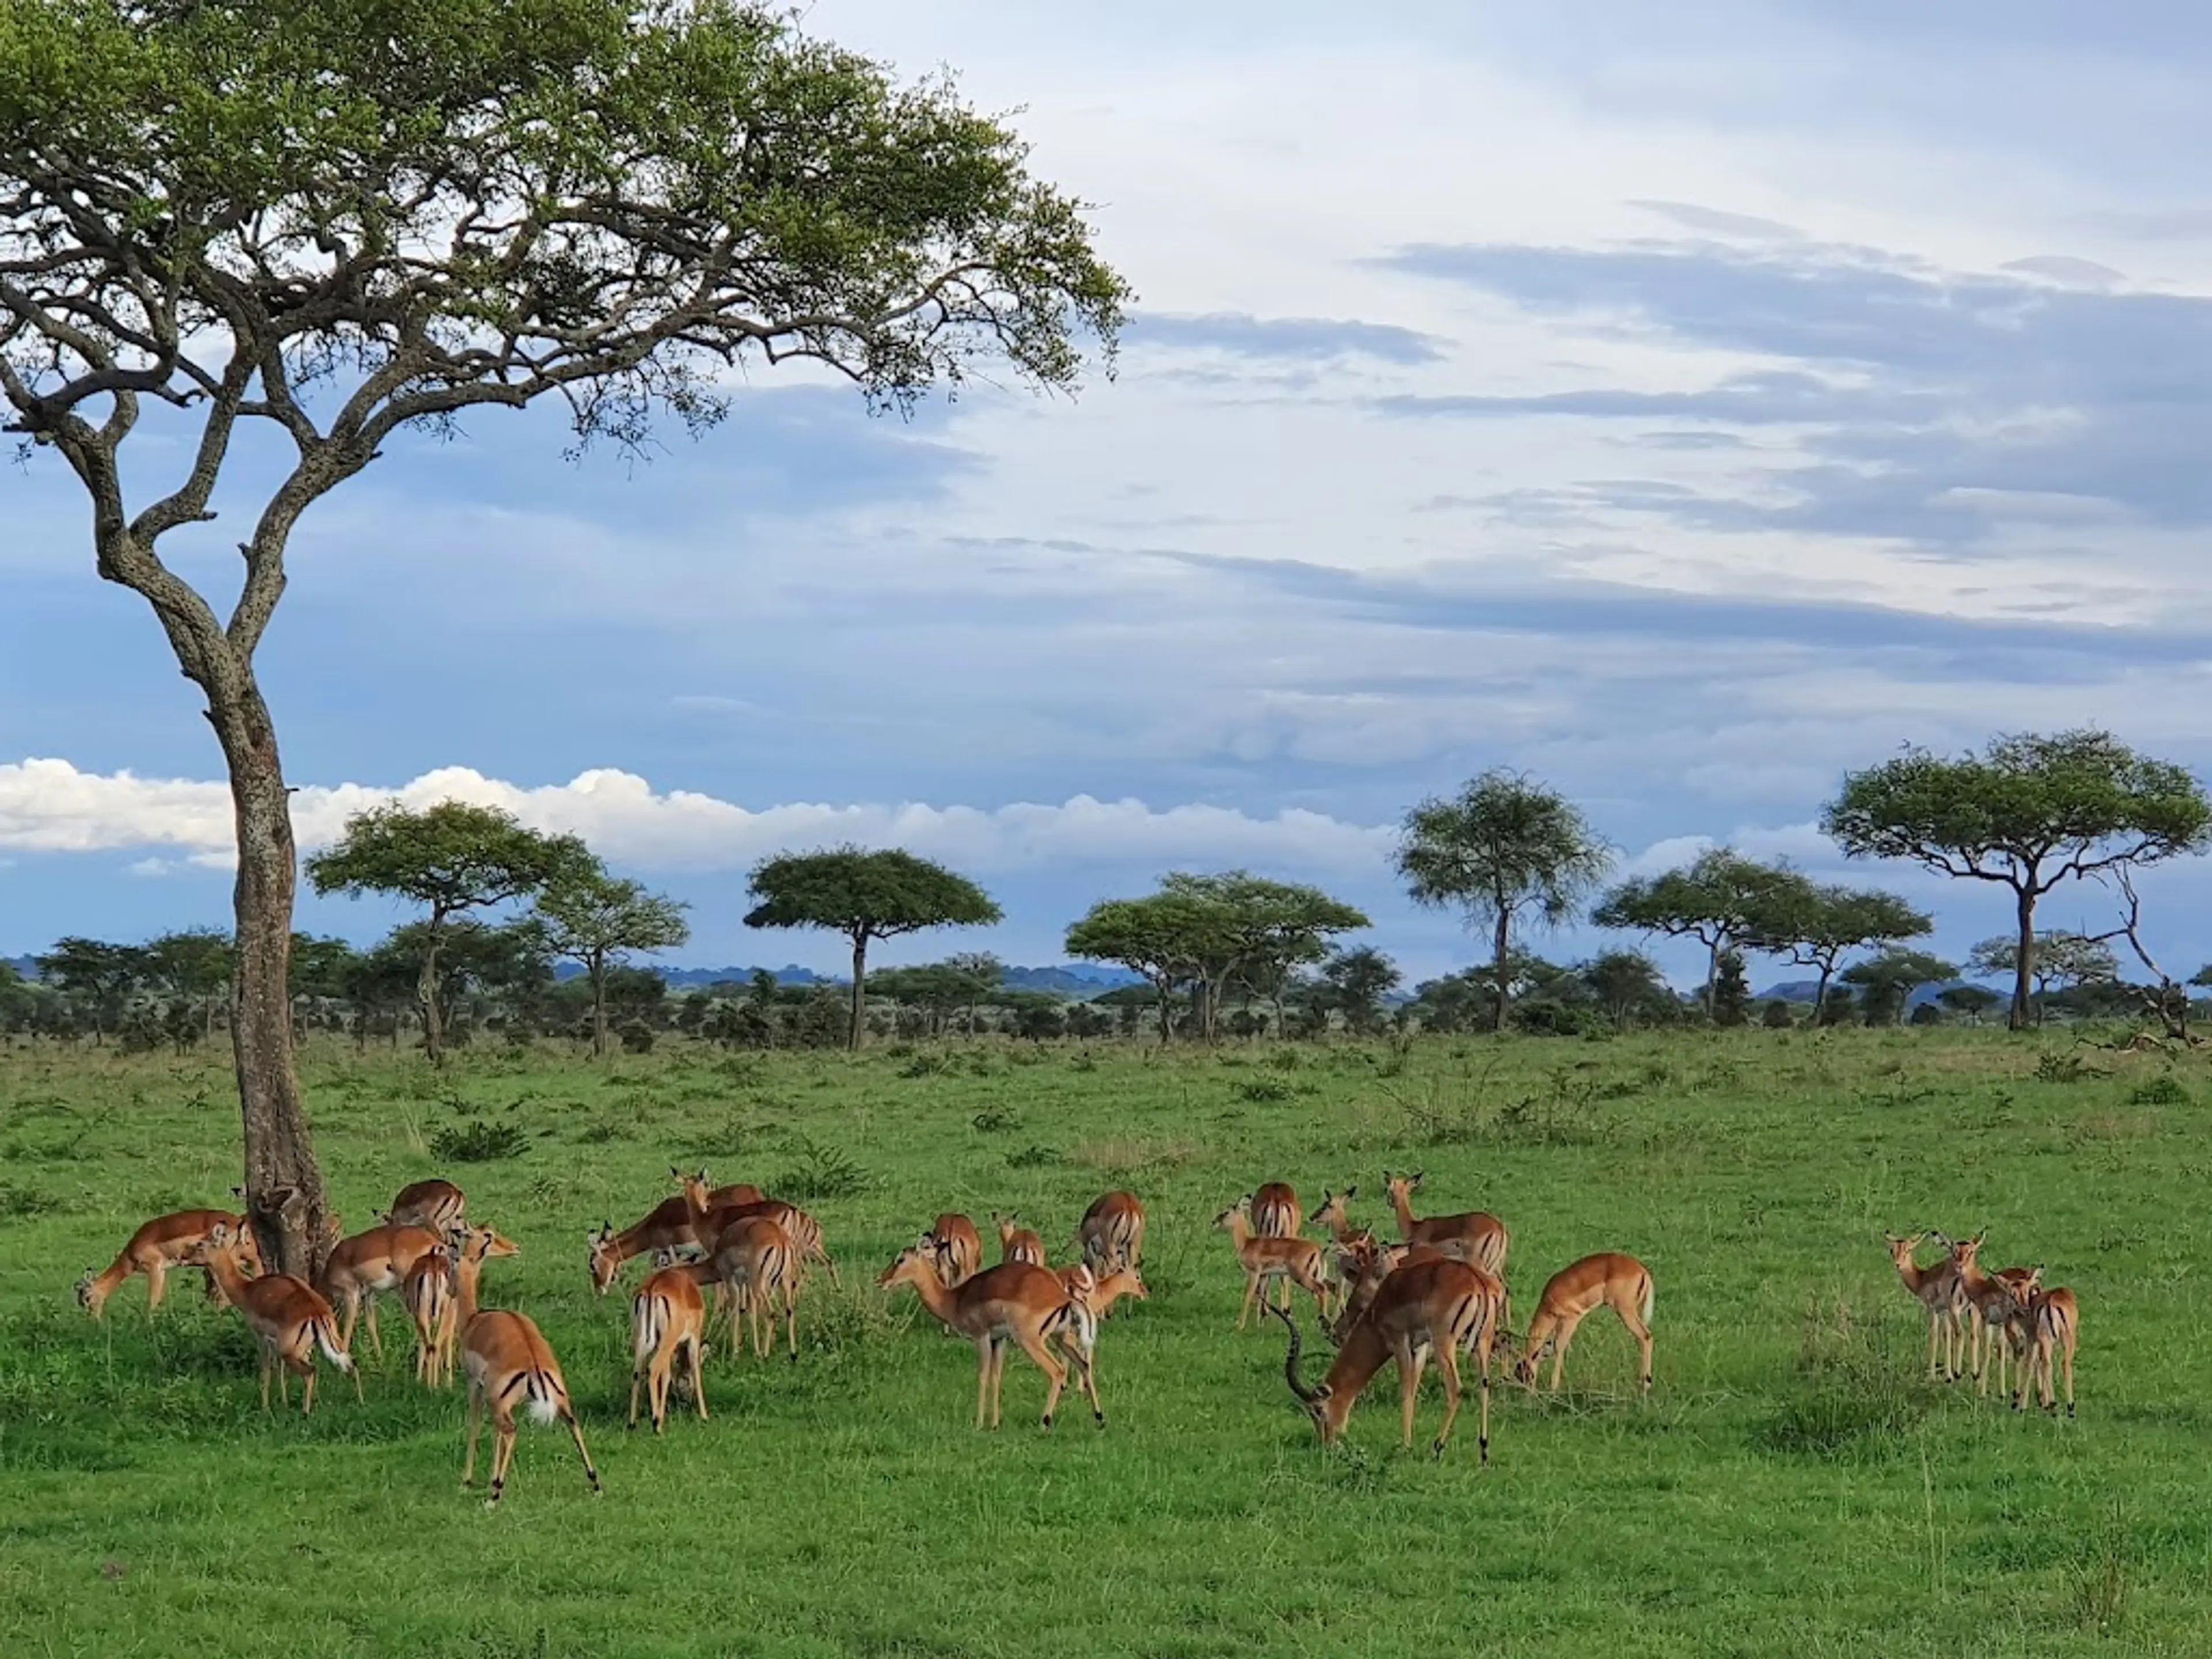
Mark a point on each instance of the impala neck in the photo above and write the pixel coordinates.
(1404, 1206)
(467, 1269)
(934, 1296)
(228, 1278)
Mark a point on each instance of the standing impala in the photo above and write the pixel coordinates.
(288, 1316)
(427, 1293)
(1991, 1302)
(707, 1219)
(1475, 1236)
(1606, 1279)
(1274, 1212)
(959, 1248)
(165, 1242)
(668, 1319)
(1112, 1234)
(378, 1260)
(437, 1204)
(2051, 1321)
(1295, 1260)
(1333, 1216)
(757, 1260)
(1937, 1289)
(1015, 1301)
(1440, 1305)
(1018, 1242)
(509, 1364)
(666, 1226)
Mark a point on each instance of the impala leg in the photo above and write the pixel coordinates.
(1935, 1321)
(637, 1379)
(307, 1370)
(503, 1454)
(698, 1380)
(1642, 1333)
(157, 1278)
(982, 1381)
(265, 1365)
(791, 1320)
(2069, 1379)
(1447, 1363)
(1320, 1290)
(576, 1433)
(375, 1342)
(1251, 1283)
(1410, 1359)
(1055, 1373)
(1567, 1329)
(476, 1427)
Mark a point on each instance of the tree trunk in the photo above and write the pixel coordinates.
(598, 970)
(1167, 1028)
(426, 992)
(859, 987)
(2024, 964)
(284, 1184)
(1712, 979)
(1821, 994)
(1500, 959)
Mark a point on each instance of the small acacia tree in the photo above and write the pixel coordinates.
(335, 225)
(2028, 813)
(598, 920)
(1502, 847)
(865, 897)
(1885, 979)
(452, 858)
(1155, 937)
(1721, 899)
(2062, 958)
(1815, 927)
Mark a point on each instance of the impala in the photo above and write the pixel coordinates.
(378, 1260)
(1938, 1290)
(757, 1260)
(166, 1242)
(427, 1293)
(288, 1316)
(668, 1318)
(1015, 1301)
(666, 1226)
(1016, 1243)
(1273, 1208)
(1363, 1264)
(1474, 1236)
(1112, 1233)
(708, 1218)
(1333, 1215)
(1606, 1279)
(1295, 1260)
(959, 1247)
(2052, 1320)
(509, 1364)
(437, 1204)
(1992, 1300)
(1442, 1304)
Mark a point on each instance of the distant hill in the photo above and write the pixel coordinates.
(1081, 980)
(1802, 990)
(23, 965)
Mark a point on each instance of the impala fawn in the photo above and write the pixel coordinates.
(1295, 1260)
(288, 1316)
(1606, 1279)
(668, 1319)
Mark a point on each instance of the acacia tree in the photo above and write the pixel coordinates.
(598, 920)
(1721, 898)
(452, 858)
(1155, 936)
(1815, 927)
(1886, 981)
(98, 976)
(1502, 847)
(2061, 957)
(865, 897)
(2028, 813)
(1248, 931)
(1355, 981)
(339, 225)
(194, 967)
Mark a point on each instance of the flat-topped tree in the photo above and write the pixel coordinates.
(2028, 813)
(1721, 898)
(865, 897)
(600, 922)
(338, 224)
(452, 858)
(1817, 926)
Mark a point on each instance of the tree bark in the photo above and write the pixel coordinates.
(599, 969)
(1712, 979)
(1500, 961)
(426, 992)
(860, 988)
(285, 1192)
(2024, 962)
(1821, 994)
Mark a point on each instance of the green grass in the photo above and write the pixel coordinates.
(1790, 1487)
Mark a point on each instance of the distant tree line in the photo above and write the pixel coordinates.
(1217, 955)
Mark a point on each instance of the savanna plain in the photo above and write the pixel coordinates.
(1792, 1483)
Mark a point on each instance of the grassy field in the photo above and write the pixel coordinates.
(1790, 1485)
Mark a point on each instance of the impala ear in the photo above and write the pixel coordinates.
(1351, 1192)
(239, 1193)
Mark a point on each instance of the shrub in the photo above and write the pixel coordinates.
(1261, 1089)
(2164, 1090)
(821, 1172)
(478, 1141)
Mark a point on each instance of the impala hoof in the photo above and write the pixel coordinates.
(1047, 1419)
(1435, 1451)
(2069, 1409)
(1101, 1416)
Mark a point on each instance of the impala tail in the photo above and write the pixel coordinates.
(326, 1339)
(543, 1394)
(649, 1317)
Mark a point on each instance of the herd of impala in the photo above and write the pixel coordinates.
(1438, 1291)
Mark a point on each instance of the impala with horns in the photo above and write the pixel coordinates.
(1293, 1260)
(666, 1227)
(509, 1365)
(1015, 1302)
(1938, 1289)
(1442, 1305)
(288, 1316)
(166, 1242)
(1475, 1236)
(668, 1322)
(1607, 1280)
(958, 1246)
(1112, 1233)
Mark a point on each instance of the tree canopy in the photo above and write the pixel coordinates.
(1504, 847)
(600, 922)
(1815, 926)
(451, 858)
(866, 896)
(1886, 979)
(1721, 898)
(2029, 812)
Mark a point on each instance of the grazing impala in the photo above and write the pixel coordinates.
(666, 1226)
(1112, 1234)
(427, 1293)
(1295, 1260)
(437, 1204)
(1440, 1305)
(757, 1260)
(1015, 1301)
(959, 1248)
(708, 1219)
(1937, 1289)
(1016, 1243)
(2050, 1322)
(1606, 1279)
(1273, 1208)
(378, 1260)
(509, 1363)
(1992, 1301)
(287, 1315)
(1474, 1236)
(668, 1318)
(166, 1242)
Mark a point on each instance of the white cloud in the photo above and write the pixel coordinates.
(51, 806)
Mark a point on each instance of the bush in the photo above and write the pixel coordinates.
(2158, 1091)
(1263, 1089)
(1776, 1015)
(479, 1141)
(821, 1172)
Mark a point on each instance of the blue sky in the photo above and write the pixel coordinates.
(1682, 407)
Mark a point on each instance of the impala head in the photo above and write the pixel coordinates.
(1008, 1224)
(249, 1260)
(1331, 1212)
(694, 1186)
(222, 1239)
(607, 1257)
(478, 1242)
(1901, 1249)
(1240, 1211)
(1402, 1184)
(1125, 1280)
(914, 1264)
(1963, 1250)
